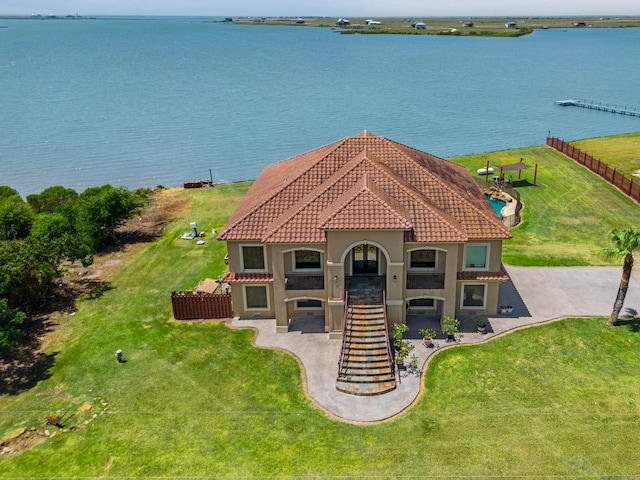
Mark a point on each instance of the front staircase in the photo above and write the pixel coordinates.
(366, 366)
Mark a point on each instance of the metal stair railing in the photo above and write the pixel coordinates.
(387, 339)
(344, 335)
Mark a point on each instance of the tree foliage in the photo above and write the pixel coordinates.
(626, 242)
(10, 322)
(16, 217)
(101, 210)
(56, 225)
(28, 270)
(50, 199)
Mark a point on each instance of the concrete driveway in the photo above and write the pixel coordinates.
(537, 294)
(544, 293)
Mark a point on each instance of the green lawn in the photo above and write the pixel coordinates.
(198, 400)
(620, 151)
(566, 216)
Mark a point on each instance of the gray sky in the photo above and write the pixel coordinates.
(337, 8)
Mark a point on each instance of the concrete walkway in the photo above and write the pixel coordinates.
(537, 294)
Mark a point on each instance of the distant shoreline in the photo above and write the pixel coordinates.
(494, 26)
(449, 26)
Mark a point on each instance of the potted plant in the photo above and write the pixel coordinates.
(400, 346)
(481, 323)
(450, 327)
(413, 363)
(428, 334)
(506, 309)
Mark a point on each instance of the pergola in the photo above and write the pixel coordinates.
(519, 166)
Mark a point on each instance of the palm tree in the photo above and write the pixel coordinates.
(625, 243)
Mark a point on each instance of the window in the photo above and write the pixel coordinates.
(255, 297)
(422, 303)
(476, 257)
(474, 295)
(306, 260)
(308, 304)
(253, 258)
(422, 259)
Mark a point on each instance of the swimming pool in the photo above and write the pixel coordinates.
(497, 205)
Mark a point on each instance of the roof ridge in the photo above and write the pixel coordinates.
(365, 186)
(453, 187)
(418, 195)
(290, 213)
(393, 182)
(274, 192)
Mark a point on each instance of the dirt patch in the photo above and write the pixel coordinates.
(28, 364)
(25, 439)
(22, 439)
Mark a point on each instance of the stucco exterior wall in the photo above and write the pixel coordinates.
(336, 264)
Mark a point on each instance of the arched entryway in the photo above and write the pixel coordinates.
(367, 274)
(365, 259)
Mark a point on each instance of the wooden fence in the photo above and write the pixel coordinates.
(617, 179)
(191, 306)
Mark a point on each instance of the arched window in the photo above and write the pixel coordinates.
(423, 259)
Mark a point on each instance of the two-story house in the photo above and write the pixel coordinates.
(365, 208)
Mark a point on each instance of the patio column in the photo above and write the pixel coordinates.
(451, 281)
(279, 293)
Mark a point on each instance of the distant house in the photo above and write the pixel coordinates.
(467, 24)
(299, 20)
(416, 228)
(342, 22)
(420, 26)
(579, 24)
(372, 22)
(511, 25)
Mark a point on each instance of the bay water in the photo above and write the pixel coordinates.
(142, 102)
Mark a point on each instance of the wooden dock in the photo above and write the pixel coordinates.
(603, 107)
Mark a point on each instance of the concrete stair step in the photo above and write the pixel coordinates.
(366, 325)
(356, 336)
(366, 322)
(357, 354)
(364, 390)
(366, 367)
(364, 345)
(366, 330)
(367, 349)
(359, 344)
(366, 378)
(358, 329)
(367, 373)
(375, 361)
(366, 310)
(371, 362)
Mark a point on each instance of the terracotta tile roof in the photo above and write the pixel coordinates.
(355, 209)
(500, 276)
(233, 277)
(296, 200)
